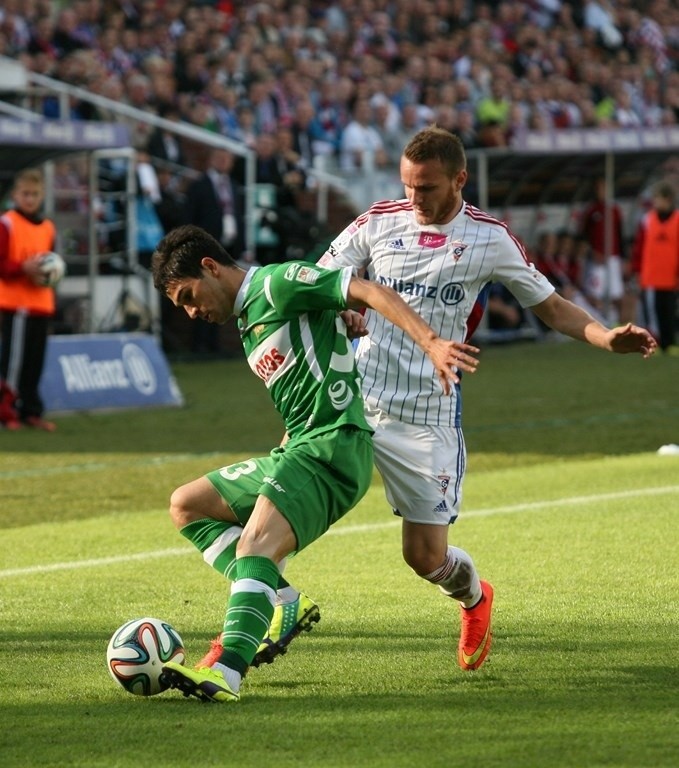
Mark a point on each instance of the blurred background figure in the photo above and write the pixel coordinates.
(360, 138)
(601, 229)
(149, 227)
(656, 259)
(216, 202)
(27, 303)
(163, 144)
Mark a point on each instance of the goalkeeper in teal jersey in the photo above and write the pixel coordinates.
(247, 517)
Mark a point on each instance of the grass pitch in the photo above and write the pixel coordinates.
(568, 510)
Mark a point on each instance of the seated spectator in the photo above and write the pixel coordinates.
(333, 107)
(66, 38)
(601, 17)
(360, 139)
(466, 129)
(492, 134)
(388, 128)
(245, 129)
(42, 39)
(224, 103)
(309, 138)
(493, 109)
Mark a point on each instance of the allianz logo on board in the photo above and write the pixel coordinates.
(131, 369)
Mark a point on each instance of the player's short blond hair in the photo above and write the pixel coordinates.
(29, 176)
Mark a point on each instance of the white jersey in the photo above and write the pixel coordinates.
(443, 273)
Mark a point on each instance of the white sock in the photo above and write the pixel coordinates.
(457, 578)
(286, 595)
(232, 677)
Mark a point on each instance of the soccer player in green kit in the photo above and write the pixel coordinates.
(247, 517)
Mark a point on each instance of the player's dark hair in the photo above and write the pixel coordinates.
(434, 143)
(179, 253)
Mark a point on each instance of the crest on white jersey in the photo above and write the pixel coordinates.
(458, 248)
(345, 236)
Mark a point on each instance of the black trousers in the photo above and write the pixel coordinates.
(22, 357)
(666, 315)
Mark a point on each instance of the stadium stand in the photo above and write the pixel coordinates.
(545, 93)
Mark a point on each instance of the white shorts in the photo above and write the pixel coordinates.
(605, 281)
(422, 468)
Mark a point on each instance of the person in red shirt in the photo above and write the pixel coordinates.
(656, 260)
(26, 304)
(601, 229)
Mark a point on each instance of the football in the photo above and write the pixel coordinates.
(137, 651)
(52, 267)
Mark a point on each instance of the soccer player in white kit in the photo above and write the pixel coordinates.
(441, 254)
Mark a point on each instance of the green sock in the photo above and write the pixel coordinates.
(249, 611)
(217, 540)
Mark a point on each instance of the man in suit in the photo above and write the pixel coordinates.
(165, 145)
(216, 203)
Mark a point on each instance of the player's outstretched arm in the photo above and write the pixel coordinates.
(448, 357)
(567, 318)
(631, 338)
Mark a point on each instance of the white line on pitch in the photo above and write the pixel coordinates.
(345, 530)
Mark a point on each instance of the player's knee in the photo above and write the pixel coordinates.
(260, 542)
(181, 512)
(423, 561)
(424, 547)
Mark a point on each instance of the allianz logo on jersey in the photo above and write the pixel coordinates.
(450, 293)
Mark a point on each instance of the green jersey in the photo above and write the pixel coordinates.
(297, 344)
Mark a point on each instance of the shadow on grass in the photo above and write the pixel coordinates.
(330, 727)
(339, 700)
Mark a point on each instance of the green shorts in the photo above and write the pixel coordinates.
(312, 481)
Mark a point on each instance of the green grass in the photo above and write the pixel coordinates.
(568, 511)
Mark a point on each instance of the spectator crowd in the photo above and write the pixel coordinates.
(342, 75)
(299, 79)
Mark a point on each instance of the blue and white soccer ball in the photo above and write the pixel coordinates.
(137, 651)
(52, 268)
